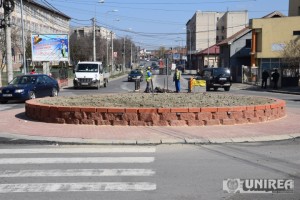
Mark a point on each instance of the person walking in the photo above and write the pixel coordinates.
(265, 76)
(176, 79)
(148, 77)
(275, 78)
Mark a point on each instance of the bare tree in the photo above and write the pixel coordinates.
(291, 58)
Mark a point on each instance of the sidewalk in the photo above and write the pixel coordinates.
(17, 128)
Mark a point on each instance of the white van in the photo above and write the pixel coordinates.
(90, 74)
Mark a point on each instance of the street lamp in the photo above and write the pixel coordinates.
(115, 10)
(112, 47)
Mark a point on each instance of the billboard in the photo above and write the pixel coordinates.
(50, 47)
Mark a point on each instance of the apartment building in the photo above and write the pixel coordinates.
(205, 29)
(38, 19)
(100, 31)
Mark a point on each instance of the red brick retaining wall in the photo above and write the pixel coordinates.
(155, 116)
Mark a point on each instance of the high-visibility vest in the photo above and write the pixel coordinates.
(177, 75)
(148, 75)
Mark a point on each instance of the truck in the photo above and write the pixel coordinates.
(90, 74)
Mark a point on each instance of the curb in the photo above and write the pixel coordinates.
(19, 139)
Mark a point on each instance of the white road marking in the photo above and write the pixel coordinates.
(16, 161)
(77, 187)
(76, 172)
(80, 150)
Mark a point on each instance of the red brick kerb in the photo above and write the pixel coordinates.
(204, 116)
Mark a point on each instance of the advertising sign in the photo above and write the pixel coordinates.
(50, 47)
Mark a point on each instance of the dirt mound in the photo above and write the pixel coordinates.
(157, 100)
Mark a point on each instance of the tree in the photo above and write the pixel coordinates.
(291, 58)
(161, 52)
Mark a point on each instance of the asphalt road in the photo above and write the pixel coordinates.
(167, 172)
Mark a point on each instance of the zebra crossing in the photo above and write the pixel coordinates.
(20, 168)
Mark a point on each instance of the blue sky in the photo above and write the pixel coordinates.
(154, 23)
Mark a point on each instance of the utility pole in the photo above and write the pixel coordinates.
(112, 51)
(23, 41)
(8, 6)
(107, 63)
(124, 60)
(208, 40)
(130, 54)
(94, 39)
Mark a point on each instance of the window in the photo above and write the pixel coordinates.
(223, 29)
(248, 43)
(296, 32)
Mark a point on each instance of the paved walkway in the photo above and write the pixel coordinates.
(17, 128)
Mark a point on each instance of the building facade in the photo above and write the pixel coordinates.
(235, 53)
(294, 8)
(100, 31)
(268, 43)
(205, 29)
(38, 19)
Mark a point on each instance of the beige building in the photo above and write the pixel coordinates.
(270, 35)
(205, 29)
(267, 41)
(38, 19)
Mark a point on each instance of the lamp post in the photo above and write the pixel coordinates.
(112, 47)
(94, 39)
(107, 43)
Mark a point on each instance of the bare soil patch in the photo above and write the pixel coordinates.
(157, 100)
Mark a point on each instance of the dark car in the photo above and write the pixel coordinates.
(29, 87)
(135, 75)
(217, 78)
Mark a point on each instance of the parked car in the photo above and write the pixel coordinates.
(135, 74)
(31, 86)
(217, 78)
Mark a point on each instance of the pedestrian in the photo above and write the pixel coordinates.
(148, 77)
(33, 71)
(275, 78)
(176, 79)
(265, 76)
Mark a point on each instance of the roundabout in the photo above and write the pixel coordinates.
(200, 109)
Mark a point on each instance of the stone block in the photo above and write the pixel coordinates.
(178, 123)
(187, 116)
(169, 116)
(195, 123)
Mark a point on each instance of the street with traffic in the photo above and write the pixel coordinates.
(51, 161)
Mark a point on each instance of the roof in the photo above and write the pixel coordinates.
(235, 36)
(48, 7)
(274, 15)
(210, 50)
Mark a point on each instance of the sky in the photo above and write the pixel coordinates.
(154, 23)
